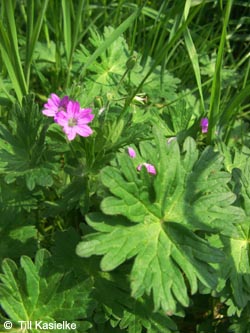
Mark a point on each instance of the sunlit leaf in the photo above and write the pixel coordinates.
(34, 292)
(187, 194)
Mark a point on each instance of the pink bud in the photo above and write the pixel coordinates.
(131, 152)
(204, 125)
(150, 168)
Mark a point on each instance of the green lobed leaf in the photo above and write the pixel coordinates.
(113, 295)
(235, 269)
(163, 213)
(111, 289)
(15, 197)
(19, 234)
(111, 76)
(26, 156)
(34, 291)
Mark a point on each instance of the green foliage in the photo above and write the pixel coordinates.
(114, 78)
(115, 307)
(18, 232)
(32, 291)
(216, 86)
(235, 272)
(241, 325)
(9, 50)
(22, 154)
(163, 215)
(164, 252)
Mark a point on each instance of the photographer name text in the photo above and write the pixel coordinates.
(45, 325)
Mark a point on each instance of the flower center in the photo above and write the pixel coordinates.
(72, 122)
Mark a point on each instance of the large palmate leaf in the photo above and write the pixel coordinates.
(162, 216)
(116, 69)
(116, 307)
(35, 292)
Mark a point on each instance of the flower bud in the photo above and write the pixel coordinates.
(130, 63)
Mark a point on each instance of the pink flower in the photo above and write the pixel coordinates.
(131, 152)
(55, 105)
(204, 125)
(74, 120)
(150, 168)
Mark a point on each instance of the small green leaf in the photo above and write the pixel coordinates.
(18, 232)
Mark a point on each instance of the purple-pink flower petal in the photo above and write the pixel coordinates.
(84, 130)
(55, 105)
(204, 125)
(131, 152)
(61, 118)
(85, 116)
(70, 132)
(64, 102)
(73, 108)
(74, 120)
(150, 168)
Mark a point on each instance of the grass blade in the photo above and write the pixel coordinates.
(71, 32)
(66, 10)
(232, 108)
(11, 70)
(195, 63)
(162, 55)
(216, 86)
(33, 33)
(10, 51)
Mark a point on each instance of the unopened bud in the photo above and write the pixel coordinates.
(99, 102)
(131, 62)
